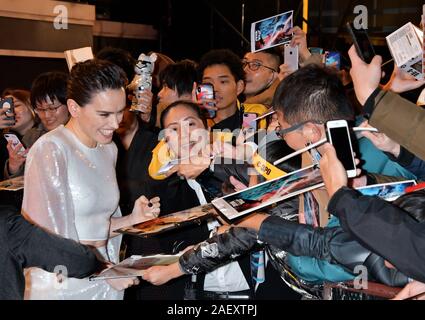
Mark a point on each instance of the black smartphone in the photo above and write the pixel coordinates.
(206, 91)
(339, 137)
(362, 43)
(9, 108)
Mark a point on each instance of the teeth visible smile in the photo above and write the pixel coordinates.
(106, 132)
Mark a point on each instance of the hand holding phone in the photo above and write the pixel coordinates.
(339, 137)
(291, 57)
(7, 112)
(362, 43)
(10, 137)
(205, 91)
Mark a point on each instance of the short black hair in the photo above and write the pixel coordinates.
(190, 105)
(414, 204)
(276, 54)
(121, 58)
(312, 93)
(49, 84)
(222, 57)
(92, 76)
(277, 149)
(179, 76)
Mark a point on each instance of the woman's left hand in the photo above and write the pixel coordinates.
(145, 209)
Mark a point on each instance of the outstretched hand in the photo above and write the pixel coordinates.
(413, 291)
(381, 140)
(158, 275)
(145, 209)
(401, 81)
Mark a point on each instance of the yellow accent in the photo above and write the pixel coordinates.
(266, 169)
(305, 15)
(258, 109)
(160, 156)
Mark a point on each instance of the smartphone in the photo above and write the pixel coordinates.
(290, 55)
(206, 91)
(362, 43)
(15, 141)
(8, 106)
(333, 59)
(339, 137)
(249, 121)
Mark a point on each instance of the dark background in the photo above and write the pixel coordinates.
(189, 28)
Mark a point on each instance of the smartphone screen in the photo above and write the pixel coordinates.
(340, 139)
(362, 43)
(333, 59)
(206, 91)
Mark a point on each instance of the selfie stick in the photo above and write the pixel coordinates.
(289, 156)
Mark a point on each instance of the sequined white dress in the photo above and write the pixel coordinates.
(71, 190)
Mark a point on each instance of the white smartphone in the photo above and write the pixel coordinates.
(290, 56)
(339, 137)
(15, 141)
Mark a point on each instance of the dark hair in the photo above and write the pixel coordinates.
(92, 76)
(276, 54)
(49, 84)
(190, 105)
(277, 149)
(312, 93)
(179, 76)
(223, 57)
(121, 58)
(414, 204)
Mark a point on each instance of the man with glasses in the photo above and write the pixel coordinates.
(261, 70)
(265, 69)
(48, 97)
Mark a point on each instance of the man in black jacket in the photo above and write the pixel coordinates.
(378, 225)
(23, 245)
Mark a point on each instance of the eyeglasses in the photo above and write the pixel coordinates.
(281, 133)
(255, 65)
(51, 109)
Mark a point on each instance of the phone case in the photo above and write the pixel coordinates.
(291, 57)
(249, 120)
(7, 105)
(206, 91)
(338, 124)
(15, 141)
(366, 55)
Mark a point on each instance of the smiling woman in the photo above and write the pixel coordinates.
(70, 182)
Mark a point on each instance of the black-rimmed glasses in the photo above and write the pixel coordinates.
(50, 109)
(255, 65)
(282, 132)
